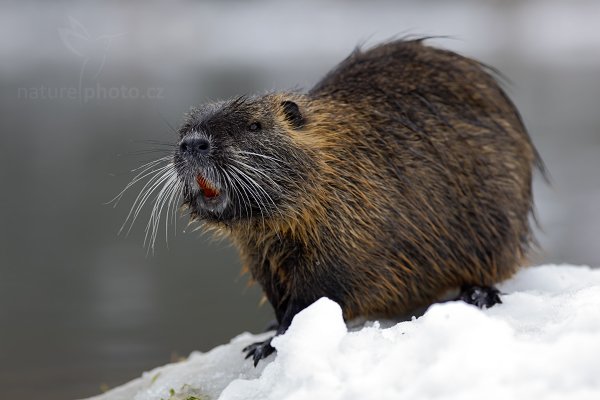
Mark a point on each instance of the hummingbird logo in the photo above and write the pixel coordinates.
(92, 50)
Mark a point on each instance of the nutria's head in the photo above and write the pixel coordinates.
(236, 159)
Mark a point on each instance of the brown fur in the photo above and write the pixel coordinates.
(414, 177)
(423, 183)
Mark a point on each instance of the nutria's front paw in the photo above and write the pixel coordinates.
(480, 296)
(259, 350)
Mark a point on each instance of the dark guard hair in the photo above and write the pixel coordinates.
(404, 173)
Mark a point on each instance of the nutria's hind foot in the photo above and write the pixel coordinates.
(259, 350)
(480, 296)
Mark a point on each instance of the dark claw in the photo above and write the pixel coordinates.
(480, 296)
(259, 350)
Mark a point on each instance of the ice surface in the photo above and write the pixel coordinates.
(543, 342)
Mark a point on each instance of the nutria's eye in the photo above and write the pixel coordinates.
(254, 127)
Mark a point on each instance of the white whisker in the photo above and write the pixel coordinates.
(141, 175)
(260, 155)
(162, 180)
(155, 175)
(159, 203)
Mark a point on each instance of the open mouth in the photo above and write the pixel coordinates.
(209, 191)
(210, 198)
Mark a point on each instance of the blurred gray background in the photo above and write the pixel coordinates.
(85, 84)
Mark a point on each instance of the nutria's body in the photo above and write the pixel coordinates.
(404, 173)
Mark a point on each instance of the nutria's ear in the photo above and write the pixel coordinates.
(292, 114)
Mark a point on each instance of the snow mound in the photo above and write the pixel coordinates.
(543, 342)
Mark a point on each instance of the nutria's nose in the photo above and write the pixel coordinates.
(194, 146)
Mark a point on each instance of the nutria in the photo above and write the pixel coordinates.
(404, 173)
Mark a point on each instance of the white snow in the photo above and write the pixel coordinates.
(543, 342)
